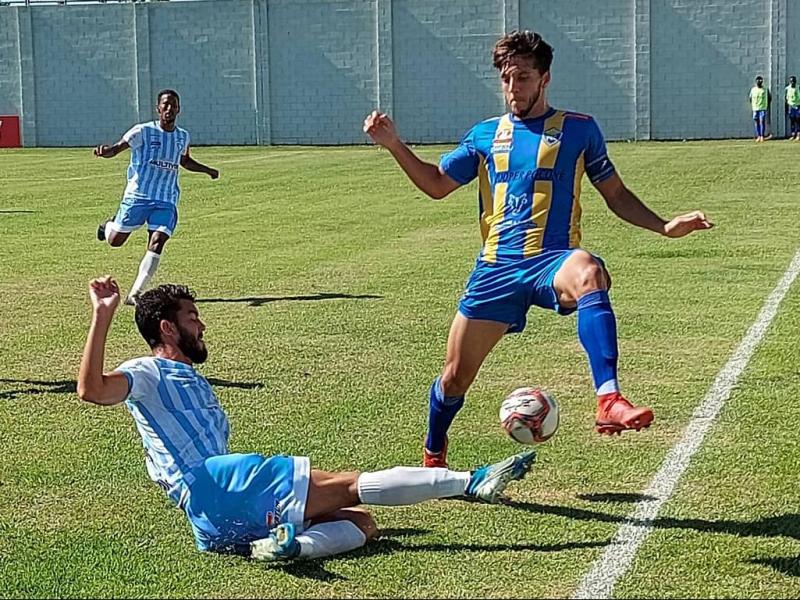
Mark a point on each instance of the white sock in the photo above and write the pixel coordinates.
(609, 386)
(109, 230)
(410, 485)
(147, 268)
(327, 539)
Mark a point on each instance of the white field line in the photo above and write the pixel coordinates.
(617, 558)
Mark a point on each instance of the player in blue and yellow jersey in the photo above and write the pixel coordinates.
(759, 101)
(529, 164)
(266, 507)
(158, 148)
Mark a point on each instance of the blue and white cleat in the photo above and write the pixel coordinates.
(280, 545)
(488, 483)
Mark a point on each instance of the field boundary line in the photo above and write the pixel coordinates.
(600, 580)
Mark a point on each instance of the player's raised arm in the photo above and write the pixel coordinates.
(428, 177)
(190, 164)
(94, 385)
(105, 151)
(627, 206)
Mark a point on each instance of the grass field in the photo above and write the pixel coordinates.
(328, 284)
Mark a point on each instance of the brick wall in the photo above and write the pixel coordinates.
(308, 71)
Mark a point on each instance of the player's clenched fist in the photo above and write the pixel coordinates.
(380, 128)
(104, 293)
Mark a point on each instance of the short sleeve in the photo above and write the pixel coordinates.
(143, 377)
(598, 165)
(185, 150)
(134, 136)
(461, 163)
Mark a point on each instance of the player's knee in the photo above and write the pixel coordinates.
(590, 276)
(116, 240)
(157, 245)
(364, 521)
(454, 381)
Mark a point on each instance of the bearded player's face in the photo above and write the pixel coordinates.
(523, 86)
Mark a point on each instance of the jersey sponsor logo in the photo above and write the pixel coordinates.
(503, 135)
(509, 223)
(502, 141)
(503, 148)
(552, 136)
(540, 174)
(163, 164)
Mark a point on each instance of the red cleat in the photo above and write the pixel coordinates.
(435, 459)
(615, 415)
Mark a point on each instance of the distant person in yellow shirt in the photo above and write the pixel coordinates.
(759, 101)
(793, 108)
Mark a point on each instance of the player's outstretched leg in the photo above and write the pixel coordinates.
(329, 493)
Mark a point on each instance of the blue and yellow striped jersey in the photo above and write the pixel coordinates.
(529, 179)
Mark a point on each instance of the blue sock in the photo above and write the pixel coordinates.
(441, 413)
(597, 331)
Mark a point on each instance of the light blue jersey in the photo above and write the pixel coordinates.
(179, 418)
(155, 160)
(230, 499)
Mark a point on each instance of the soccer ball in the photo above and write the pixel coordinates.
(529, 415)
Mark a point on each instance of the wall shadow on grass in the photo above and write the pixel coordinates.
(262, 300)
(32, 387)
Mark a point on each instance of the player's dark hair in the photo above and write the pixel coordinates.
(160, 303)
(168, 92)
(525, 44)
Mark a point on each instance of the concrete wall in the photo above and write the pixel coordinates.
(307, 71)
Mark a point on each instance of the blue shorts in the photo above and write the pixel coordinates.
(759, 115)
(237, 498)
(132, 214)
(505, 292)
(794, 112)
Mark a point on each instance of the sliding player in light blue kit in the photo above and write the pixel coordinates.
(266, 507)
(529, 164)
(158, 148)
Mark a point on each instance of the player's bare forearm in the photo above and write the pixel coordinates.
(94, 385)
(190, 164)
(426, 176)
(627, 206)
(91, 384)
(111, 151)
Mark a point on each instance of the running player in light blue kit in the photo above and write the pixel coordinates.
(529, 164)
(152, 193)
(270, 508)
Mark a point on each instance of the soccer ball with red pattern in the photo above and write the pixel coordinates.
(529, 415)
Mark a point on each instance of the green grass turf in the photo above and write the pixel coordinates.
(328, 284)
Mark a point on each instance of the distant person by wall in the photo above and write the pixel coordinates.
(759, 102)
(793, 108)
